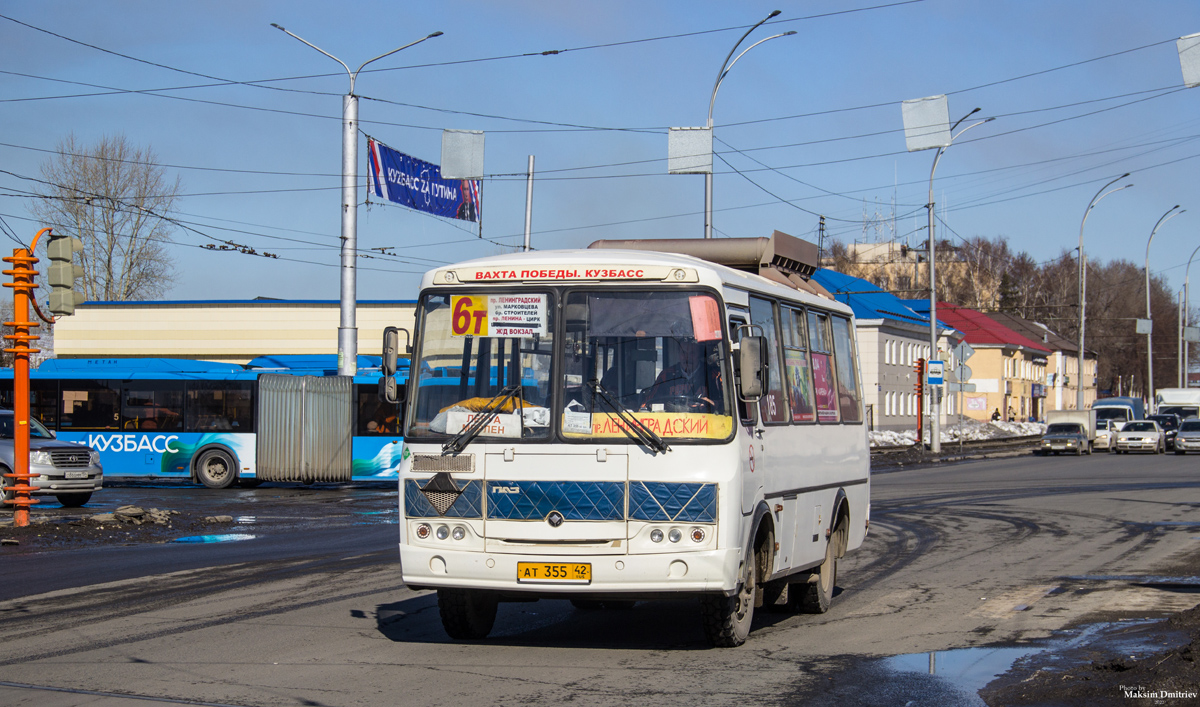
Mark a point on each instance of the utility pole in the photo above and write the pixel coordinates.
(347, 339)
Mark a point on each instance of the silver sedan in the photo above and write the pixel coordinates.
(1140, 436)
(1188, 439)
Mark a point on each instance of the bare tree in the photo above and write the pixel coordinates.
(113, 196)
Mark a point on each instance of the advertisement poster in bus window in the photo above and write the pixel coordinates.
(516, 315)
(801, 384)
(827, 403)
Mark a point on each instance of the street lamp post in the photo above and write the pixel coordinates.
(726, 67)
(1083, 284)
(1187, 303)
(347, 327)
(935, 402)
(1171, 213)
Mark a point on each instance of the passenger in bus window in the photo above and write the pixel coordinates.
(691, 384)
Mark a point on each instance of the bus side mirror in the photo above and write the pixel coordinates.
(388, 390)
(752, 367)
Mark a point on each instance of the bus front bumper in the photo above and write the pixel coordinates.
(707, 572)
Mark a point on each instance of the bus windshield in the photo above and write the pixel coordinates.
(482, 354)
(655, 355)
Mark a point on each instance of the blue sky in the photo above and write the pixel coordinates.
(811, 123)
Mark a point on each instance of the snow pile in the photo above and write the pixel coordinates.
(969, 430)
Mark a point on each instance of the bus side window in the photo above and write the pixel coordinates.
(219, 406)
(773, 406)
(152, 406)
(824, 383)
(90, 405)
(849, 392)
(376, 417)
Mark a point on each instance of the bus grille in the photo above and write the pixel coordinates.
(70, 459)
(463, 463)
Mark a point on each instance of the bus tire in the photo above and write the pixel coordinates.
(817, 595)
(216, 469)
(467, 614)
(73, 500)
(727, 619)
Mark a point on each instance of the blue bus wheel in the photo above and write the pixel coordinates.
(215, 469)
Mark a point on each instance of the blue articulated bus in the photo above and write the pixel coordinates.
(276, 418)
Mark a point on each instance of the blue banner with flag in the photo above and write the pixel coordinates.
(417, 184)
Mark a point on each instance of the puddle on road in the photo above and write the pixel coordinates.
(221, 538)
(953, 678)
(967, 669)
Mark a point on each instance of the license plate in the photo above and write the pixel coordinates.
(76, 475)
(555, 572)
(1058, 446)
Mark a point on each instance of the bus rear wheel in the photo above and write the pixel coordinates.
(817, 595)
(727, 619)
(467, 614)
(215, 469)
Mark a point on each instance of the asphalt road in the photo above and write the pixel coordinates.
(1002, 552)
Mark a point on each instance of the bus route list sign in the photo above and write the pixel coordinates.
(418, 185)
(498, 315)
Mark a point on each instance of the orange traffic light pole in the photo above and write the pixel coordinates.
(23, 286)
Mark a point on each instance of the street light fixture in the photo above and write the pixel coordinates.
(726, 67)
(935, 402)
(1083, 284)
(1171, 213)
(347, 327)
(1184, 359)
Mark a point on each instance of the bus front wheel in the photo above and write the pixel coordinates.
(215, 469)
(467, 614)
(727, 619)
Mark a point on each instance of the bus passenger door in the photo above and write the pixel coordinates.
(751, 447)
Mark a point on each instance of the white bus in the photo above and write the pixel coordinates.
(608, 426)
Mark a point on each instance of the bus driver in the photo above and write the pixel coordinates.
(691, 384)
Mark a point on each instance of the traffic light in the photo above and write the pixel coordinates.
(919, 387)
(62, 274)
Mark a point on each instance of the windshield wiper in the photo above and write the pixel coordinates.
(635, 428)
(460, 441)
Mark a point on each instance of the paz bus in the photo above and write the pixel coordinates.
(618, 424)
(277, 418)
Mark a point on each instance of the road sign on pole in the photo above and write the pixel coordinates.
(935, 372)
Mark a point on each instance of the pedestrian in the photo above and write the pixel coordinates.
(996, 415)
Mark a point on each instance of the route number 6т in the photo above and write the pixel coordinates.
(469, 315)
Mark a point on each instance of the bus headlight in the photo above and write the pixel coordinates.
(423, 531)
(674, 536)
(697, 535)
(443, 532)
(459, 532)
(656, 535)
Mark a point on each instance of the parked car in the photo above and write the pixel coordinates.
(1188, 439)
(70, 472)
(1141, 436)
(1170, 426)
(1065, 437)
